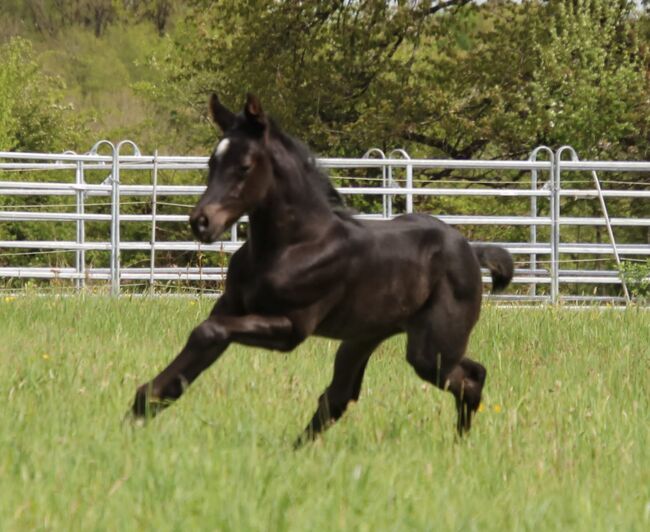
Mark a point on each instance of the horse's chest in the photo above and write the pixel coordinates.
(261, 295)
(296, 279)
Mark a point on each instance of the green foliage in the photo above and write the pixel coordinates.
(554, 73)
(53, 17)
(333, 73)
(33, 119)
(32, 116)
(100, 74)
(593, 80)
(637, 277)
(95, 63)
(496, 79)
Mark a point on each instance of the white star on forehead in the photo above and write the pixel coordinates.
(222, 147)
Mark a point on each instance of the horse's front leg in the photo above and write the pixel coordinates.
(204, 346)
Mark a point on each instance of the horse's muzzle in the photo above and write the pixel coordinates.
(209, 222)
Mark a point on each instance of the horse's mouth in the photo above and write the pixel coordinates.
(211, 237)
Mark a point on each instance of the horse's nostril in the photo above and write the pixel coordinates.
(202, 223)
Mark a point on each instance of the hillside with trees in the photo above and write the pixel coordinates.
(440, 78)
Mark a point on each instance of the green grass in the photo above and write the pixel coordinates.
(563, 441)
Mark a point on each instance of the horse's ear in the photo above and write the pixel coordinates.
(221, 115)
(253, 111)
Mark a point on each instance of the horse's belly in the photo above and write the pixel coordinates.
(374, 310)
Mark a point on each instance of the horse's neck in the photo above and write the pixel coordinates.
(291, 213)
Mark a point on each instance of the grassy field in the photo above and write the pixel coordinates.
(563, 441)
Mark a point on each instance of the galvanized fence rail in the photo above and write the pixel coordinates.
(549, 269)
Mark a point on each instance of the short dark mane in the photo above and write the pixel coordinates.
(307, 161)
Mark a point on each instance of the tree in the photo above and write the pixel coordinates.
(316, 64)
(157, 11)
(494, 79)
(563, 72)
(51, 16)
(32, 114)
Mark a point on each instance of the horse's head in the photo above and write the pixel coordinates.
(240, 170)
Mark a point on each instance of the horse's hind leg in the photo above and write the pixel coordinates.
(470, 400)
(436, 348)
(349, 367)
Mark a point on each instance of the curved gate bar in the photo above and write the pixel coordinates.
(601, 198)
(387, 200)
(409, 177)
(533, 206)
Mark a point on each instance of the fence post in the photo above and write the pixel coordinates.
(409, 185)
(80, 265)
(388, 198)
(154, 204)
(115, 226)
(111, 179)
(115, 217)
(555, 228)
(384, 177)
(558, 188)
(409, 178)
(533, 209)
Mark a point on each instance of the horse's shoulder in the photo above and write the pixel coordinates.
(239, 259)
(239, 268)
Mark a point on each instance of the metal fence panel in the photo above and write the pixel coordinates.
(548, 269)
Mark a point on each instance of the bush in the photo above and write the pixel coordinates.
(33, 116)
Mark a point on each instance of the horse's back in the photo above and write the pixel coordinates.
(397, 267)
(438, 246)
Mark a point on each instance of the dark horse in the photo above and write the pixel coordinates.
(309, 267)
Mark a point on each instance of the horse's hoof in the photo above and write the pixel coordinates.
(146, 405)
(138, 422)
(141, 402)
(308, 436)
(132, 420)
(463, 427)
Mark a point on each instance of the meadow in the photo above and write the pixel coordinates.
(562, 441)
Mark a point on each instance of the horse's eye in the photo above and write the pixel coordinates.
(244, 168)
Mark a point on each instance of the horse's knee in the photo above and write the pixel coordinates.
(292, 341)
(478, 373)
(206, 334)
(428, 368)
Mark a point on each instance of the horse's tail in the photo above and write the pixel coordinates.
(499, 261)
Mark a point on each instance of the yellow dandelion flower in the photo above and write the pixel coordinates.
(9, 299)
(46, 356)
(497, 408)
(481, 407)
